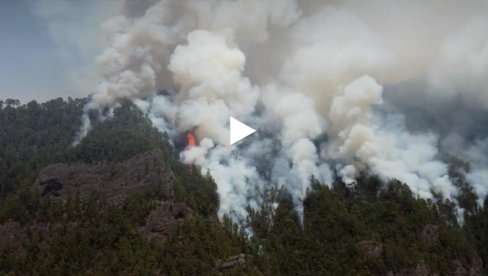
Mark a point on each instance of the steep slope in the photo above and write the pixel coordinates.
(114, 181)
(121, 203)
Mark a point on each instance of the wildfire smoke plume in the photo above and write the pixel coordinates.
(335, 89)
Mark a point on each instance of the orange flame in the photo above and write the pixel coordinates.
(190, 138)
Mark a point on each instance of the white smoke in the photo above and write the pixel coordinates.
(476, 154)
(310, 76)
(462, 67)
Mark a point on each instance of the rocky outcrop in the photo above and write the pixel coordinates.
(418, 270)
(113, 181)
(430, 233)
(463, 270)
(370, 249)
(424, 270)
(162, 219)
(231, 262)
(12, 236)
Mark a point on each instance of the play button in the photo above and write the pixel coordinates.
(238, 131)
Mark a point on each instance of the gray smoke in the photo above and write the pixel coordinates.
(332, 88)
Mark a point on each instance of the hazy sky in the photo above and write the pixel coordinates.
(28, 61)
(48, 47)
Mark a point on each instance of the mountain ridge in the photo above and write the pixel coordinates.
(164, 220)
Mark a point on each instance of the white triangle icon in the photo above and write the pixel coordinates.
(239, 131)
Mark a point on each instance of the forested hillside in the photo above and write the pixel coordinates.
(168, 225)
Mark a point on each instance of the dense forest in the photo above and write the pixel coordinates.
(369, 228)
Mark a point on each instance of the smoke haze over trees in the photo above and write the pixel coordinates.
(368, 228)
(334, 89)
(370, 156)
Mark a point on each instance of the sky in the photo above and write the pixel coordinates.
(26, 50)
(47, 49)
